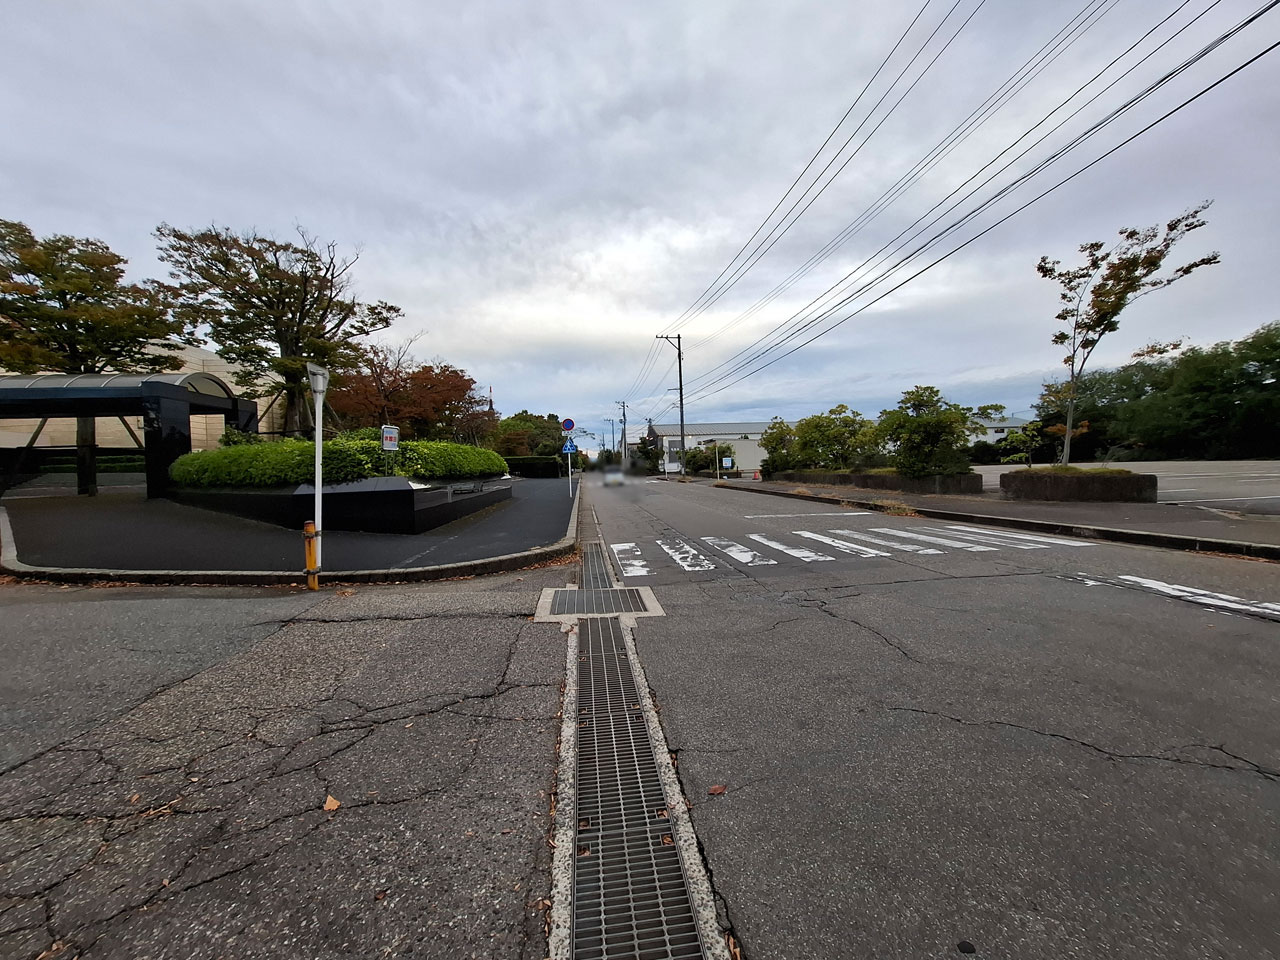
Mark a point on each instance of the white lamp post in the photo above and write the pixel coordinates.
(319, 378)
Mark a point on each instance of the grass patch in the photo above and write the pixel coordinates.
(803, 492)
(880, 471)
(1060, 469)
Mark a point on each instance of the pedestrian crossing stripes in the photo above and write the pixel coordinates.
(875, 542)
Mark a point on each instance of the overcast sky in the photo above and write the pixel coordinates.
(543, 187)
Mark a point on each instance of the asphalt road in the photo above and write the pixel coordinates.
(275, 774)
(1010, 748)
(1245, 486)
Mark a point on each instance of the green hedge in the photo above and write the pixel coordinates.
(345, 459)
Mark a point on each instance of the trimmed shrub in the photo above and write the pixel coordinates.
(292, 462)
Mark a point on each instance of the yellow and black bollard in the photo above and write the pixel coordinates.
(311, 540)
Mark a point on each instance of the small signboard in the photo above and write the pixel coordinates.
(566, 424)
(569, 447)
(726, 462)
(390, 438)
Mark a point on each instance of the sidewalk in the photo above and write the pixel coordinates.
(121, 530)
(1152, 524)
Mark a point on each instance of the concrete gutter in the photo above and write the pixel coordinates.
(1143, 538)
(9, 563)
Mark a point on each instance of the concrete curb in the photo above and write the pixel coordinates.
(1142, 538)
(9, 563)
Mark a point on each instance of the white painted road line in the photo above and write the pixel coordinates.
(843, 545)
(1207, 597)
(792, 516)
(1187, 489)
(740, 553)
(987, 538)
(630, 561)
(686, 554)
(908, 547)
(1229, 499)
(942, 541)
(802, 553)
(1056, 541)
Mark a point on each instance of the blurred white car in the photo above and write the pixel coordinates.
(614, 477)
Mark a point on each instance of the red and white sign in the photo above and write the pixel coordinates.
(390, 438)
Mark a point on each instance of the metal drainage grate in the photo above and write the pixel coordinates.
(595, 568)
(629, 894)
(598, 602)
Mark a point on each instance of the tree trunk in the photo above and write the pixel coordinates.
(1066, 438)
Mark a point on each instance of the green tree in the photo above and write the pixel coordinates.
(1095, 293)
(527, 434)
(649, 452)
(271, 306)
(836, 440)
(777, 441)
(64, 307)
(930, 435)
(1019, 446)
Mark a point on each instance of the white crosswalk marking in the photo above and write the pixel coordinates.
(988, 538)
(842, 545)
(801, 553)
(686, 554)
(896, 545)
(740, 553)
(958, 544)
(1025, 536)
(630, 561)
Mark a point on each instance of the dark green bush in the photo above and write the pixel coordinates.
(290, 462)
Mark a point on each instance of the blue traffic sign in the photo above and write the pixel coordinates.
(569, 447)
(566, 424)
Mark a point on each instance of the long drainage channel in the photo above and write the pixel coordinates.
(631, 873)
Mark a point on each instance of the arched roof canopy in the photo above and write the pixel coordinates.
(110, 394)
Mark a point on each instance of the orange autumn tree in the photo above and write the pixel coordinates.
(428, 401)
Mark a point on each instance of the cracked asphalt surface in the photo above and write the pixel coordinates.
(921, 751)
(173, 758)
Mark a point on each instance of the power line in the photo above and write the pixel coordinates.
(800, 327)
(1059, 43)
(1013, 213)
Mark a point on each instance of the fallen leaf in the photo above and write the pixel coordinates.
(135, 798)
(718, 789)
(345, 593)
(668, 840)
(380, 895)
(164, 882)
(331, 803)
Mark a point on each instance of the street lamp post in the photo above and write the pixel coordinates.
(319, 380)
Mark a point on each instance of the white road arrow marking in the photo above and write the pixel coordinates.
(802, 553)
(958, 544)
(686, 554)
(740, 553)
(843, 545)
(629, 560)
(907, 547)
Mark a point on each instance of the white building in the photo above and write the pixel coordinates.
(999, 428)
(743, 437)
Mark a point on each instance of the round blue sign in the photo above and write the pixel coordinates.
(566, 423)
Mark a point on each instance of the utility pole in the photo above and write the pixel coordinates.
(623, 405)
(613, 436)
(680, 369)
